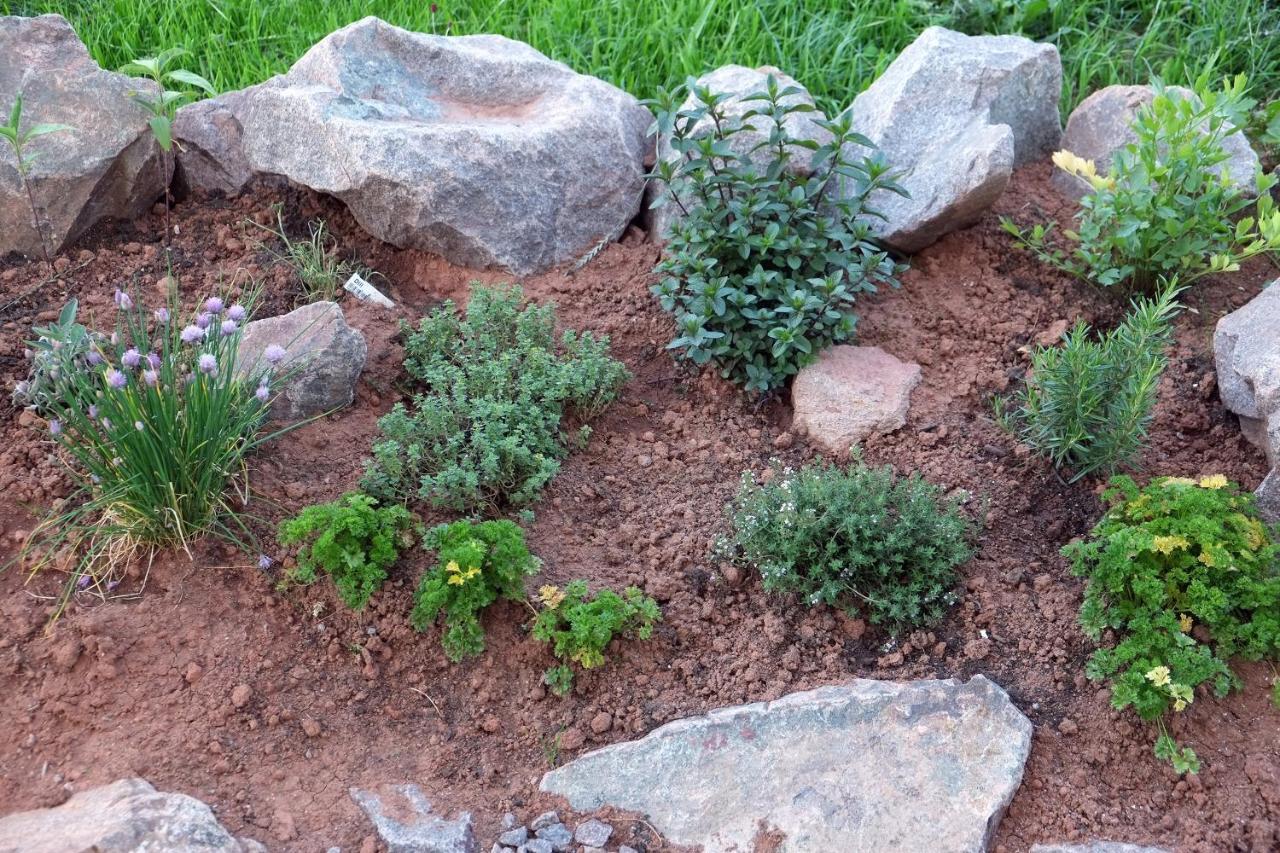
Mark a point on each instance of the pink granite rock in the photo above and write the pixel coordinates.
(851, 392)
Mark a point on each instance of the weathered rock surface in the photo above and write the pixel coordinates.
(123, 817)
(851, 392)
(323, 359)
(1097, 847)
(402, 816)
(1268, 497)
(478, 148)
(1246, 349)
(739, 83)
(106, 166)
(210, 146)
(956, 114)
(867, 766)
(1103, 124)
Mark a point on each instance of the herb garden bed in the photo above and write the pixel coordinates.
(205, 677)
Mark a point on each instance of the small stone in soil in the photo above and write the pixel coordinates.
(544, 819)
(240, 695)
(559, 835)
(514, 837)
(536, 845)
(593, 833)
(311, 727)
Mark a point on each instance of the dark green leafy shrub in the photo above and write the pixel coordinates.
(579, 628)
(764, 264)
(352, 538)
(1188, 578)
(485, 428)
(1161, 212)
(859, 538)
(1088, 403)
(478, 563)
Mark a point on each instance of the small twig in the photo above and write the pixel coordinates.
(427, 695)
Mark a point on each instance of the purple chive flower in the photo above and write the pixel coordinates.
(93, 412)
(229, 327)
(150, 377)
(106, 423)
(153, 360)
(213, 305)
(123, 302)
(274, 354)
(111, 585)
(138, 425)
(84, 582)
(264, 562)
(191, 334)
(94, 358)
(208, 364)
(204, 320)
(236, 312)
(263, 393)
(131, 358)
(96, 479)
(162, 315)
(116, 379)
(55, 427)
(115, 338)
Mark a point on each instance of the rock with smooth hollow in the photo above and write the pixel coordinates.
(738, 84)
(1246, 350)
(869, 765)
(404, 821)
(849, 393)
(954, 114)
(475, 147)
(124, 817)
(1103, 124)
(107, 166)
(210, 146)
(323, 359)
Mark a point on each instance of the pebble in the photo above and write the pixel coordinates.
(545, 819)
(514, 837)
(194, 673)
(240, 695)
(601, 723)
(593, 833)
(558, 835)
(536, 845)
(311, 727)
(491, 724)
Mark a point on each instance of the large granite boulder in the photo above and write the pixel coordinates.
(956, 114)
(321, 360)
(478, 148)
(123, 817)
(1097, 847)
(1268, 497)
(737, 84)
(107, 166)
(1246, 349)
(210, 145)
(403, 818)
(1103, 124)
(849, 393)
(869, 765)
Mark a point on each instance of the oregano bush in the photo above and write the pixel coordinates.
(1187, 577)
(1166, 208)
(353, 539)
(492, 389)
(859, 538)
(580, 626)
(764, 263)
(1087, 403)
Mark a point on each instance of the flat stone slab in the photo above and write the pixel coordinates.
(851, 392)
(868, 766)
(124, 817)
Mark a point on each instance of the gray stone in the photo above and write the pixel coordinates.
(955, 114)
(477, 147)
(210, 145)
(1246, 351)
(510, 821)
(514, 837)
(558, 835)
(1097, 847)
(107, 166)
(593, 833)
(536, 845)
(123, 817)
(1103, 124)
(323, 361)
(402, 817)
(544, 819)
(869, 765)
(739, 83)
(849, 393)
(1268, 497)
(625, 849)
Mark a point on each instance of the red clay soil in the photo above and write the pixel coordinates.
(143, 683)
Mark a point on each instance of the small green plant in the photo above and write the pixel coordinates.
(859, 538)
(18, 140)
(486, 426)
(59, 349)
(580, 627)
(155, 421)
(1162, 212)
(764, 264)
(1187, 577)
(315, 260)
(1087, 404)
(352, 538)
(163, 106)
(478, 563)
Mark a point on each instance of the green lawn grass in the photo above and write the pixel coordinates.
(834, 47)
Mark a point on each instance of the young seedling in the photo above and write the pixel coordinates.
(18, 140)
(163, 107)
(319, 268)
